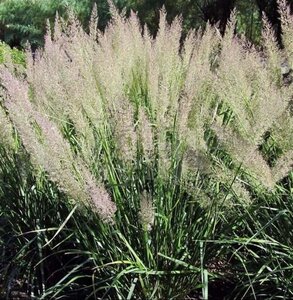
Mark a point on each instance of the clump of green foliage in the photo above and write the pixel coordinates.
(16, 56)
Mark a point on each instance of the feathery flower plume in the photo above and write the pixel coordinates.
(245, 154)
(283, 166)
(282, 131)
(124, 130)
(69, 172)
(6, 130)
(146, 133)
(47, 147)
(19, 108)
(271, 51)
(194, 160)
(147, 211)
(99, 197)
(93, 25)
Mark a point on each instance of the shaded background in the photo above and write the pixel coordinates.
(24, 20)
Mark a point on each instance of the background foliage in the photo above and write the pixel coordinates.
(22, 20)
(25, 20)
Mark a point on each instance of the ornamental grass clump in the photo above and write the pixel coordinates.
(147, 147)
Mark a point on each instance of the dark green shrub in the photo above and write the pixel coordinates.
(25, 20)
